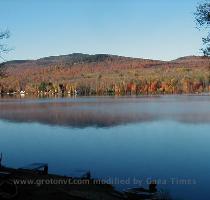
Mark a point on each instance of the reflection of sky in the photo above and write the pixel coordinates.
(106, 112)
(159, 149)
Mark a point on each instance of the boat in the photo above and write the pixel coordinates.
(140, 193)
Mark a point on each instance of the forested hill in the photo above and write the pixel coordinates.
(105, 74)
(78, 59)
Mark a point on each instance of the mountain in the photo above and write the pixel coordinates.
(75, 59)
(104, 73)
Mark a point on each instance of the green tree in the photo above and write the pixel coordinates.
(43, 87)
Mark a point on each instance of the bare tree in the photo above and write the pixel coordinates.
(3, 48)
(202, 16)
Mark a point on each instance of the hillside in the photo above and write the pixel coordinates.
(103, 74)
(80, 59)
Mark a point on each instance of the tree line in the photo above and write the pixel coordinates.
(137, 81)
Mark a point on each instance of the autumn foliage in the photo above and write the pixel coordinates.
(105, 75)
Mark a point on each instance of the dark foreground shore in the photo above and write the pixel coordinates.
(24, 184)
(32, 185)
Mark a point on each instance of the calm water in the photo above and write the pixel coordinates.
(123, 138)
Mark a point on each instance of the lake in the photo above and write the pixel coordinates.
(127, 140)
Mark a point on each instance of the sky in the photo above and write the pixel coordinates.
(155, 29)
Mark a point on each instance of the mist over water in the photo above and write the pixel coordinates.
(145, 138)
(106, 111)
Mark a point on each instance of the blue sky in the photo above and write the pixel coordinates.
(157, 29)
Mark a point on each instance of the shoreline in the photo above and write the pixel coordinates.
(29, 184)
(97, 96)
(36, 184)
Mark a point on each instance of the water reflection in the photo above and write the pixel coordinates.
(145, 137)
(106, 111)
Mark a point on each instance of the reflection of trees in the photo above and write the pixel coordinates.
(100, 114)
(68, 114)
